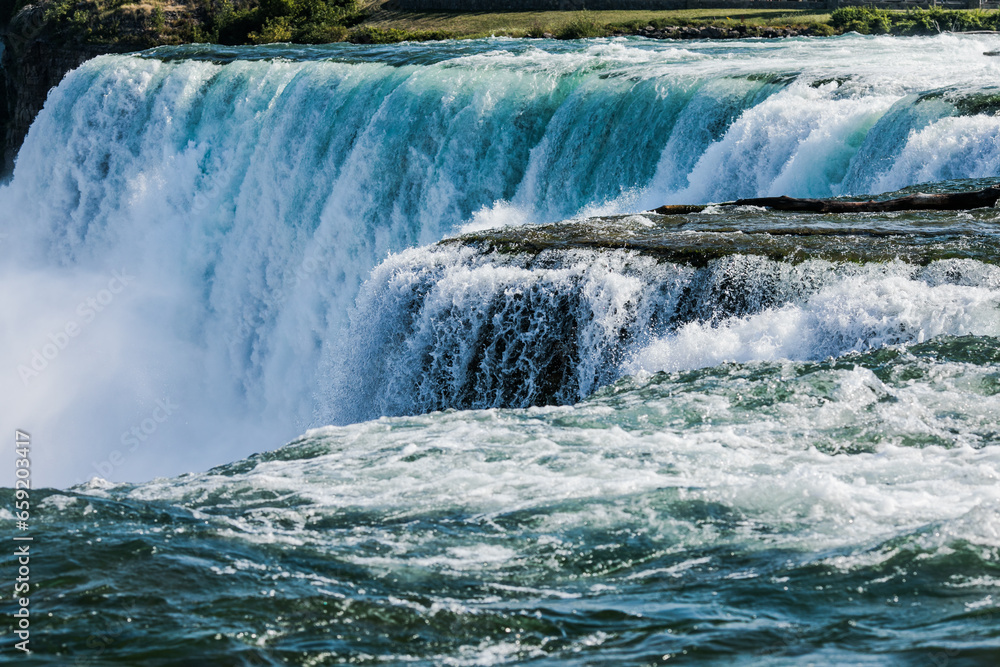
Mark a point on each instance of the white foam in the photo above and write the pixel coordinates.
(251, 200)
(880, 306)
(587, 468)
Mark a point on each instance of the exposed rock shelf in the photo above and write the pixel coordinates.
(950, 201)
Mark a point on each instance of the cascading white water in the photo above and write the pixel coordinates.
(243, 202)
(450, 327)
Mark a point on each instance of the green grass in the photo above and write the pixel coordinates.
(530, 24)
(393, 25)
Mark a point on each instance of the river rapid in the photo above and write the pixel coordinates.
(527, 420)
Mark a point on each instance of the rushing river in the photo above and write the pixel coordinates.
(537, 424)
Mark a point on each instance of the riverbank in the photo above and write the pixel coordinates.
(583, 24)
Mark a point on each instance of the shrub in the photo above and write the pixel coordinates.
(865, 20)
(373, 35)
(582, 26)
(322, 34)
(926, 21)
(159, 19)
(303, 21)
(276, 29)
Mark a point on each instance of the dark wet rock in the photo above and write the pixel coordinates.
(34, 61)
(919, 201)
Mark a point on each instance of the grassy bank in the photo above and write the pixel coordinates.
(395, 25)
(152, 22)
(570, 24)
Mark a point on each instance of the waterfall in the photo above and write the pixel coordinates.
(247, 194)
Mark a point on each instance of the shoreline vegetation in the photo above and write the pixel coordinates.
(121, 25)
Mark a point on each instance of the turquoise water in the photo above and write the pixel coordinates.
(528, 422)
(833, 512)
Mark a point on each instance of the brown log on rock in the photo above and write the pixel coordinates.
(958, 201)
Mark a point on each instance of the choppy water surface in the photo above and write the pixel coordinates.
(566, 431)
(833, 512)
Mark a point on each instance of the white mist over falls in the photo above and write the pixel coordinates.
(188, 232)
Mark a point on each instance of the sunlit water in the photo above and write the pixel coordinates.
(737, 436)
